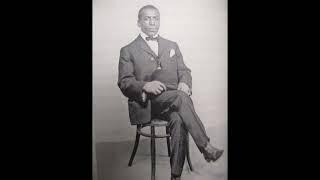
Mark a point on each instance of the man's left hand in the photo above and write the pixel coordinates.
(184, 87)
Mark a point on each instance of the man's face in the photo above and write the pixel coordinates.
(149, 21)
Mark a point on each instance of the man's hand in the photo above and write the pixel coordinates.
(184, 87)
(154, 87)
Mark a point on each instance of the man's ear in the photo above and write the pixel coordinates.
(138, 23)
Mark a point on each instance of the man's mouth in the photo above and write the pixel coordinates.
(152, 29)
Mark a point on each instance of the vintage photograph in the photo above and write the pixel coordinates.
(160, 90)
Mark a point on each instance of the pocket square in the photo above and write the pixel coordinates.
(172, 52)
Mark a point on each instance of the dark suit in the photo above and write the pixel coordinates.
(136, 65)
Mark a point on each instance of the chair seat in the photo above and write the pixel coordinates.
(154, 123)
(158, 122)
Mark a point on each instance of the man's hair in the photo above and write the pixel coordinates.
(146, 7)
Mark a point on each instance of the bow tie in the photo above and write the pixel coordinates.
(152, 38)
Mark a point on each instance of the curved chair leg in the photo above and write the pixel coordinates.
(153, 154)
(168, 142)
(135, 147)
(188, 154)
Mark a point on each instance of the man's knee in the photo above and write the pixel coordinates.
(180, 99)
(183, 97)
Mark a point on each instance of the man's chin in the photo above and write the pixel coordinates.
(151, 33)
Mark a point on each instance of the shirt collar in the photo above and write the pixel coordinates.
(143, 35)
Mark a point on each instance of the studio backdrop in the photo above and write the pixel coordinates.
(200, 29)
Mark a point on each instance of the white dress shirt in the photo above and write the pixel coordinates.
(152, 44)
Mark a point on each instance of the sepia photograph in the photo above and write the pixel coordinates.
(160, 91)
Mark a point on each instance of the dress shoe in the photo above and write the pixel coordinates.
(212, 154)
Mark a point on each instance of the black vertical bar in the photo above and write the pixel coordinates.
(168, 141)
(153, 154)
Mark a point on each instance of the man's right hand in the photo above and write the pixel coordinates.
(154, 87)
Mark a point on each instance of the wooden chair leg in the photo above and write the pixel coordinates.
(188, 154)
(135, 147)
(168, 142)
(153, 154)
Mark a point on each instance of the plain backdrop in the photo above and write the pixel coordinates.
(200, 29)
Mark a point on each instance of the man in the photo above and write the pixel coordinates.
(152, 74)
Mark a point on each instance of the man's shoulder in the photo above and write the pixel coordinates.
(167, 41)
(132, 44)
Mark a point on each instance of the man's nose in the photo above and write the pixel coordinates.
(152, 22)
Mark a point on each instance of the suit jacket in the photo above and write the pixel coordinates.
(137, 62)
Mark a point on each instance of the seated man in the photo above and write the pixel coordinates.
(153, 76)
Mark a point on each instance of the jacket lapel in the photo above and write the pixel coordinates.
(161, 46)
(145, 46)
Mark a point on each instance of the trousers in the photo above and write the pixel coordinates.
(177, 108)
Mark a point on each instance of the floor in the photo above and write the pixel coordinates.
(113, 158)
